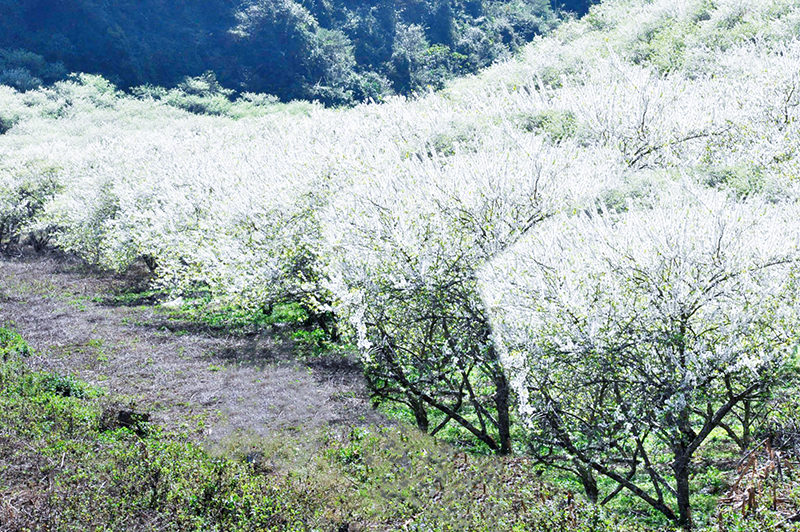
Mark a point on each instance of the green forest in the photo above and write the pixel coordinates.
(337, 52)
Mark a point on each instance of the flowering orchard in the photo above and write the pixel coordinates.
(587, 253)
(643, 332)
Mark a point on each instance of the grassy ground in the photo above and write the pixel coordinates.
(70, 461)
(214, 379)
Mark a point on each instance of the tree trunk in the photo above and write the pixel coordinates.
(501, 399)
(150, 262)
(681, 469)
(589, 483)
(420, 414)
(746, 425)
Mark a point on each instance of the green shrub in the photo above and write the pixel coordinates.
(555, 125)
(63, 385)
(12, 344)
(22, 199)
(456, 136)
(741, 180)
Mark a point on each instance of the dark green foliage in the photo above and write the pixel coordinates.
(63, 385)
(338, 52)
(25, 70)
(579, 7)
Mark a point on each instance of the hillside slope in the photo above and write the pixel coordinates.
(426, 231)
(337, 52)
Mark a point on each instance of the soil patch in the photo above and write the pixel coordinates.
(213, 385)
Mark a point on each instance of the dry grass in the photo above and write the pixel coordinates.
(768, 480)
(227, 383)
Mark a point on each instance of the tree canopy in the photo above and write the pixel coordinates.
(337, 52)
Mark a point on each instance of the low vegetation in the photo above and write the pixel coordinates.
(75, 460)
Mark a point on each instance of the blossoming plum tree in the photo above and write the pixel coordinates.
(631, 336)
(402, 250)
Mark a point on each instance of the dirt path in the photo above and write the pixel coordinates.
(209, 384)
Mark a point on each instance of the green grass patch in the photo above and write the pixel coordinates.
(64, 466)
(12, 344)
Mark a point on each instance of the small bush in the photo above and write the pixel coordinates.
(22, 200)
(63, 385)
(555, 125)
(457, 136)
(12, 344)
(741, 181)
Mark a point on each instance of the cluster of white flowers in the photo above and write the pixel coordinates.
(698, 289)
(654, 325)
(391, 210)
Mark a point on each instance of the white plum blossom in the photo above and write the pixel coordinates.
(653, 323)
